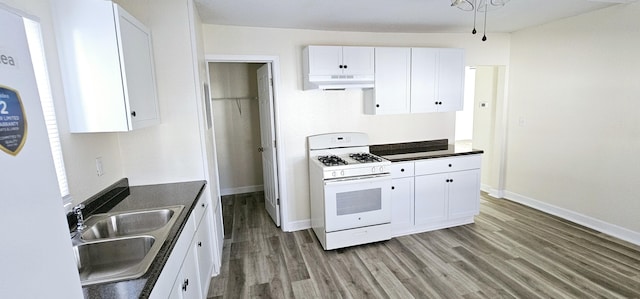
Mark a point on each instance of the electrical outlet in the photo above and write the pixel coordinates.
(521, 121)
(99, 168)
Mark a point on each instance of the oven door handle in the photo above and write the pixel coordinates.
(358, 179)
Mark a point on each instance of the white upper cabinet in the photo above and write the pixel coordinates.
(437, 80)
(391, 94)
(416, 80)
(107, 67)
(325, 67)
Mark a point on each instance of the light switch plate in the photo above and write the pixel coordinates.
(99, 168)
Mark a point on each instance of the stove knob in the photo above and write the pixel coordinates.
(373, 169)
(381, 169)
(333, 174)
(342, 173)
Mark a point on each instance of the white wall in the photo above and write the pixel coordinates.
(237, 125)
(574, 118)
(303, 113)
(488, 125)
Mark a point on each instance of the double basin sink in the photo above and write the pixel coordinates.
(122, 245)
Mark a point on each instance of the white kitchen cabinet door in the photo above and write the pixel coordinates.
(430, 198)
(401, 205)
(107, 67)
(137, 71)
(450, 79)
(424, 63)
(464, 193)
(358, 60)
(325, 60)
(188, 281)
(391, 94)
(203, 245)
(437, 79)
(339, 60)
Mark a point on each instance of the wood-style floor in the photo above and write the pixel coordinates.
(512, 251)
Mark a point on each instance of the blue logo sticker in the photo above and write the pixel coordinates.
(13, 122)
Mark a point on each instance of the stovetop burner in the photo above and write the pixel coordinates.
(365, 158)
(332, 160)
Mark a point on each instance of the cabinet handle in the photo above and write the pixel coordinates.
(401, 169)
(133, 114)
(202, 204)
(449, 165)
(185, 284)
(199, 244)
(377, 105)
(345, 66)
(341, 66)
(393, 188)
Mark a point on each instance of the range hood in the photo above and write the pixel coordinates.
(338, 82)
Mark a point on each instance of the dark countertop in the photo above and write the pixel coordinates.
(431, 149)
(143, 197)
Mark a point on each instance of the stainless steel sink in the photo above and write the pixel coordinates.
(126, 224)
(122, 245)
(120, 258)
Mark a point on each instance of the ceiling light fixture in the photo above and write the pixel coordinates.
(479, 6)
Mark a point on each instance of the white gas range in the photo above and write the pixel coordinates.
(350, 191)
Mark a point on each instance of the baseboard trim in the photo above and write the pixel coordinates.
(239, 190)
(293, 226)
(495, 193)
(590, 222)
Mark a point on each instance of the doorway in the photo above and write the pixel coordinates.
(243, 109)
(236, 118)
(482, 125)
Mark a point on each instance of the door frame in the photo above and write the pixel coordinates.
(280, 151)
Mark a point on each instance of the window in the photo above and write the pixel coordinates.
(36, 49)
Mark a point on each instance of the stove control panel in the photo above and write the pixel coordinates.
(352, 172)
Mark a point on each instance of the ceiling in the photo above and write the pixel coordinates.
(411, 16)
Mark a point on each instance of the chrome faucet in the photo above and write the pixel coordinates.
(78, 211)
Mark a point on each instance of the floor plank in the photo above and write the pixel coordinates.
(512, 251)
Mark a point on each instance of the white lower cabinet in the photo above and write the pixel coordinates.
(187, 283)
(402, 204)
(430, 199)
(434, 193)
(187, 273)
(401, 196)
(463, 193)
(204, 250)
(446, 196)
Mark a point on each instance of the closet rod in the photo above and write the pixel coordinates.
(235, 98)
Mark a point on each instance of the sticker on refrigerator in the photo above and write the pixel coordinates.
(13, 122)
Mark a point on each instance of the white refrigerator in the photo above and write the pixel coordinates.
(36, 257)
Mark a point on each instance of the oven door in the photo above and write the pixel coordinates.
(357, 202)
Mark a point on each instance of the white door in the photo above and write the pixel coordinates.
(268, 143)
